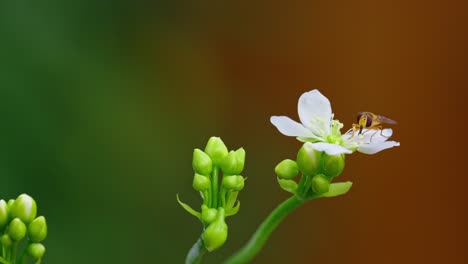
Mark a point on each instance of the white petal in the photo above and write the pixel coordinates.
(373, 148)
(330, 149)
(368, 136)
(314, 106)
(289, 127)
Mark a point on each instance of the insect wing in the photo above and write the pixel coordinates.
(383, 119)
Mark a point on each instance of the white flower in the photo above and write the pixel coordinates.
(322, 132)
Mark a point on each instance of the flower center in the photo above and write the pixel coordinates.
(335, 139)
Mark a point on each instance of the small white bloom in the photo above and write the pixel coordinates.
(322, 132)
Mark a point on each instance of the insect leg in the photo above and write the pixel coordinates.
(376, 128)
(381, 133)
(354, 128)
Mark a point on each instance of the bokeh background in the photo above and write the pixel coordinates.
(102, 103)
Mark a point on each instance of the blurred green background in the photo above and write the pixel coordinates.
(102, 103)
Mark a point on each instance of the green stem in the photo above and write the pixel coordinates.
(196, 252)
(258, 239)
(14, 250)
(22, 258)
(222, 198)
(214, 188)
(4, 261)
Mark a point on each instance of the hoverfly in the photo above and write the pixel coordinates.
(370, 121)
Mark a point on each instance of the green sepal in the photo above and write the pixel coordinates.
(287, 185)
(337, 189)
(233, 210)
(188, 208)
(231, 199)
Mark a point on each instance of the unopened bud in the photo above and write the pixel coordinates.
(235, 182)
(10, 204)
(4, 214)
(287, 169)
(308, 160)
(216, 233)
(216, 149)
(333, 165)
(6, 240)
(233, 163)
(201, 162)
(36, 250)
(201, 182)
(320, 184)
(24, 208)
(208, 215)
(37, 230)
(17, 229)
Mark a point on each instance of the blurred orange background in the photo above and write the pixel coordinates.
(103, 103)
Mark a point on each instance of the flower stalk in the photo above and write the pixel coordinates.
(263, 232)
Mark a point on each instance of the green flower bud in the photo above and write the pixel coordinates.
(216, 149)
(235, 182)
(37, 230)
(201, 182)
(24, 208)
(36, 250)
(17, 229)
(308, 160)
(4, 214)
(333, 165)
(320, 184)
(208, 215)
(6, 241)
(10, 204)
(287, 169)
(216, 233)
(233, 163)
(201, 162)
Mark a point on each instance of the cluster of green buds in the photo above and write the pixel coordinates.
(318, 170)
(21, 229)
(218, 179)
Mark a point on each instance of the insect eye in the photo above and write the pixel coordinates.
(368, 121)
(359, 115)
